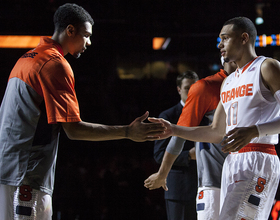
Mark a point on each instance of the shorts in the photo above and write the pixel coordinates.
(249, 184)
(23, 202)
(208, 203)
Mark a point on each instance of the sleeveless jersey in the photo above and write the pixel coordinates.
(247, 102)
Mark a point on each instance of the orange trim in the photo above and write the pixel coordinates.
(265, 148)
(248, 64)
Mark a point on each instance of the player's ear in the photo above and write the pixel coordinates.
(70, 29)
(245, 37)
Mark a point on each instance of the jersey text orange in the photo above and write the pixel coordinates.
(240, 91)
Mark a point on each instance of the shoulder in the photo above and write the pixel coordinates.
(204, 86)
(58, 63)
(198, 87)
(270, 67)
(270, 72)
(270, 64)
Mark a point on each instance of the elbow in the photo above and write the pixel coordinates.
(71, 130)
(218, 139)
(217, 134)
(72, 135)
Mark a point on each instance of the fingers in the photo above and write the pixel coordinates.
(234, 141)
(151, 185)
(227, 140)
(154, 129)
(233, 148)
(231, 132)
(233, 145)
(147, 183)
(151, 182)
(154, 120)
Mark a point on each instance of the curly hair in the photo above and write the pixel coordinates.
(70, 14)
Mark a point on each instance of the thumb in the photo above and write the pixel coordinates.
(143, 117)
(165, 187)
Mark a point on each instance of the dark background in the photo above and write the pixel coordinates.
(104, 180)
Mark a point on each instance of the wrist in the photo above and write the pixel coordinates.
(126, 131)
(255, 131)
(162, 175)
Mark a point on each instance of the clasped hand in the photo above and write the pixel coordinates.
(238, 138)
(139, 131)
(155, 181)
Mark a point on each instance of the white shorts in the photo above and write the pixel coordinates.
(249, 184)
(208, 203)
(23, 202)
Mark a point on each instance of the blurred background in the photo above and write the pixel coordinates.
(138, 49)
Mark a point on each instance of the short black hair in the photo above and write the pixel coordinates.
(244, 24)
(186, 75)
(70, 14)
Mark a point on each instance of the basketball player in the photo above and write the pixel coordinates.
(39, 100)
(199, 109)
(248, 114)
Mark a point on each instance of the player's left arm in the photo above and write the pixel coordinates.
(240, 137)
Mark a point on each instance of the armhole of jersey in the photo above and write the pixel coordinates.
(264, 91)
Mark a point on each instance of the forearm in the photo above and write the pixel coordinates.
(207, 134)
(136, 131)
(175, 147)
(167, 162)
(94, 132)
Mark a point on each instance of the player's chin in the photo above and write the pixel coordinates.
(76, 55)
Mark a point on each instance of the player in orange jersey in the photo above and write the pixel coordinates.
(40, 99)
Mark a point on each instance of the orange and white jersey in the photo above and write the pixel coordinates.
(247, 101)
(39, 96)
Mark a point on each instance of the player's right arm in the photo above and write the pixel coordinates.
(213, 133)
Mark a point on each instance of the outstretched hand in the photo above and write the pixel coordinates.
(139, 131)
(168, 127)
(238, 138)
(154, 182)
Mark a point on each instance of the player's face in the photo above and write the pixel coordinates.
(231, 43)
(185, 87)
(80, 40)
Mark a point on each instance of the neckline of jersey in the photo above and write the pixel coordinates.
(246, 66)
